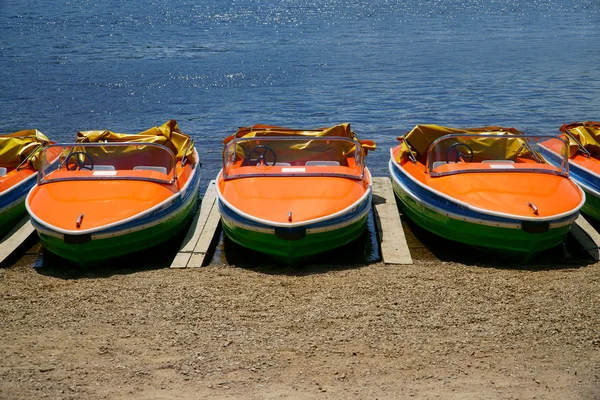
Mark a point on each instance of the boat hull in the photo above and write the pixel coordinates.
(10, 216)
(296, 244)
(147, 231)
(592, 205)
(12, 204)
(293, 251)
(507, 236)
(588, 180)
(101, 249)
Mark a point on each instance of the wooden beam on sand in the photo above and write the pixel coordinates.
(587, 236)
(15, 238)
(394, 249)
(201, 233)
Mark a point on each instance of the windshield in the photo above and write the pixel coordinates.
(296, 156)
(102, 161)
(452, 154)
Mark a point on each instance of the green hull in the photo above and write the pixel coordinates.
(99, 250)
(293, 252)
(591, 206)
(511, 241)
(10, 216)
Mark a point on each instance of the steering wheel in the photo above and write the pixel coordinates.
(261, 158)
(458, 153)
(77, 163)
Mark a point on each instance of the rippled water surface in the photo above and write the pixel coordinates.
(382, 65)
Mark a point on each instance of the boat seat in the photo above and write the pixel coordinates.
(150, 168)
(104, 167)
(3, 171)
(322, 164)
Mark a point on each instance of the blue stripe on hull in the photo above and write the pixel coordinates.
(579, 174)
(17, 194)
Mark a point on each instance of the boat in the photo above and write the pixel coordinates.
(19, 161)
(488, 187)
(293, 193)
(584, 160)
(112, 194)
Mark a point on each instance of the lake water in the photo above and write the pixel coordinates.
(382, 65)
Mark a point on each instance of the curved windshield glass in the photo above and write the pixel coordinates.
(102, 161)
(454, 154)
(296, 156)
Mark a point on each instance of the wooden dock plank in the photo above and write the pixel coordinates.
(15, 238)
(206, 238)
(197, 260)
(587, 236)
(201, 233)
(394, 249)
(181, 260)
(189, 243)
(209, 229)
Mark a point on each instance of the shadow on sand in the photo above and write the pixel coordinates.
(157, 257)
(424, 247)
(357, 254)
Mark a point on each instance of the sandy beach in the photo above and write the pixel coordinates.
(434, 329)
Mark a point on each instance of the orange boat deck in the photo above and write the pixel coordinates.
(13, 177)
(501, 190)
(102, 202)
(272, 198)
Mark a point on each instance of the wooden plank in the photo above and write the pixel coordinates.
(15, 238)
(191, 239)
(587, 236)
(394, 249)
(197, 232)
(181, 260)
(197, 260)
(206, 238)
(209, 230)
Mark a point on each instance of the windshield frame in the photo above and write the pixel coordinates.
(67, 149)
(292, 171)
(563, 170)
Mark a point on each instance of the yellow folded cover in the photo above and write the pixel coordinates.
(421, 136)
(340, 130)
(18, 146)
(587, 133)
(167, 134)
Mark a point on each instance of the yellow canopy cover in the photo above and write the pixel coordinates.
(341, 130)
(587, 133)
(19, 146)
(421, 136)
(167, 134)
